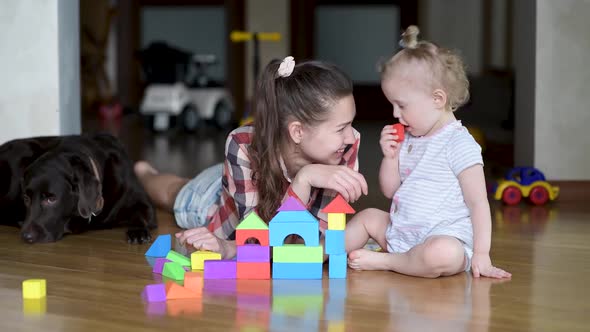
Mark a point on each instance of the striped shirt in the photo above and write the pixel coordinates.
(239, 194)
(429, 200)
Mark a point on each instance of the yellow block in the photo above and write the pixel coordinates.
(35, 307)
(34, 288)
(337, 221)
(198, 258)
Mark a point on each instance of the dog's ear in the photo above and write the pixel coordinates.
(88, 185)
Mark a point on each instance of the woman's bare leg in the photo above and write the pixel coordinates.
(162, 188)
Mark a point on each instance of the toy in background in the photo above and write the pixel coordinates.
(256, 37)
(180, 91)
(527, 182)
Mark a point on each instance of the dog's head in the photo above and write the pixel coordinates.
(58, 190)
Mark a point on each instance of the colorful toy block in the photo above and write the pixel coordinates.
(34, 288)
(292, 204)
(336, 221)
(154, 293)
(307, 231)
(186, 307)
(35, 307)
(193, 281)
(159, 265)
(220, 269)
(400, 131)
(337, 266)
(259, 234)
(298, 253)
(174, 292)
(253, 270)
(297, 270)
(173, 271)
(220, 286)
(254, 287)
(160, 247)
(252, 221)
(338, 205)
(253, 253)
(155, 308)
(198, 258)
(178, 258)
(335, 242)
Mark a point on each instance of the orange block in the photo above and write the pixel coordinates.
(253, 270)
(175, 291)
(184, 306)
(193, 281)
(244, 234)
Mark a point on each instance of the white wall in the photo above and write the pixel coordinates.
(39, 93)
(562, 96)
(267, 16)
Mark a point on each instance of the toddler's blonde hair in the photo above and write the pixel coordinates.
(446, 68)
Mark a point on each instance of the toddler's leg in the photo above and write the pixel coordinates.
(369, 223)
(162, 188)
(437, 256)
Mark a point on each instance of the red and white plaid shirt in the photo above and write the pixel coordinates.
(240, 196)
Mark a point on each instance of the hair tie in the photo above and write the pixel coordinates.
(286, 67)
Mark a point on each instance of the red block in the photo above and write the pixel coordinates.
(400, 131)
(244, 234)
(253, 270)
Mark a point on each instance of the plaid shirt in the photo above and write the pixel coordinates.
(240, 196)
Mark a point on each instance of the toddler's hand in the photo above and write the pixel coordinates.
(481, 265)
(389, 144)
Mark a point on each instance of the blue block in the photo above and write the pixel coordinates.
(308, 231)
(160, 247)
(337, 266)
(297, 270)
(335, 242)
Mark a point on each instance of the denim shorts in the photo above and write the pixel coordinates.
(197, 196)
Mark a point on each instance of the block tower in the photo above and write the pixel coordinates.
(253, 259)
(295, 261)
(336, 210)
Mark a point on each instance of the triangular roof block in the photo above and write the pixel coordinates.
(294, 216)
(252, 221)
(338, 205)
(160, 247)
(292, 204)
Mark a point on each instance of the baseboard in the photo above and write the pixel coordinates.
(573, 191)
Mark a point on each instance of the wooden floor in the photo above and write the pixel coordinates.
(94, 280)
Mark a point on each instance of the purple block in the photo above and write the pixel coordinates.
(220, 269)
(154, 293)
(253, 253)
(159, 265)
(155, 308)
(291, 204)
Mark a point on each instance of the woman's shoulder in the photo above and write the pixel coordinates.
(241, 135)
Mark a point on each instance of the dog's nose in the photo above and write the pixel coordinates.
(29, 237)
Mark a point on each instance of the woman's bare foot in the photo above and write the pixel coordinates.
(143, 168)
(363, 259)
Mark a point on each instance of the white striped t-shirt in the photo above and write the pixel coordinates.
(429, 200)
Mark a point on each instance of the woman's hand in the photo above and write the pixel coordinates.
(346, 181)
(202, 239)
(389, 146)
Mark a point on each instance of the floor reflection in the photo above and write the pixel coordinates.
(524, 218)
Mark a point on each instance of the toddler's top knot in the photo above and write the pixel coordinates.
(410, 37)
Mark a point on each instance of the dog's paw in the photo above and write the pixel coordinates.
(138, 235)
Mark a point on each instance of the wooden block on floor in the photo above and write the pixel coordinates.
(253, 270)
(34, 288)
(337, 266)
(335, 242)
(198, 258)
(220, 269)
(298, 253)
(297, 270)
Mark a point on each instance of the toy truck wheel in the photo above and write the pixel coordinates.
(539, 195)
(190, 118)
(511, 195)
(223, 114)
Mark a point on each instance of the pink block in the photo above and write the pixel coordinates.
(159, 265)
(220, 269)
(253, 253)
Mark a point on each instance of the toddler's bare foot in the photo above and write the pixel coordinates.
(363, 259)
(143, 168)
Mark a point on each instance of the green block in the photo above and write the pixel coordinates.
(178, 258)
(252, 221)
(298, 253)
(173, 271)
